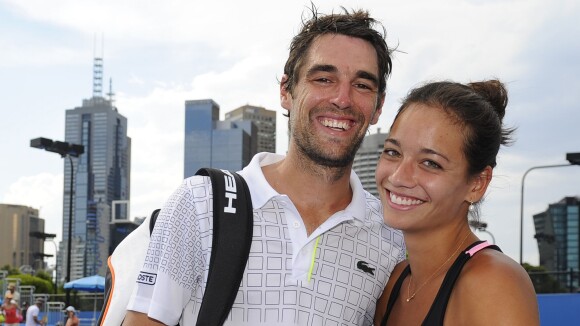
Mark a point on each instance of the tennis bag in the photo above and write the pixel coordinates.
(232, 237)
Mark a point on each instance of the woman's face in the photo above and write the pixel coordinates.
(422, 173)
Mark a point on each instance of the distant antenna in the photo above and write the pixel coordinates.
(98, 77)
(110, 94)
(98, 71)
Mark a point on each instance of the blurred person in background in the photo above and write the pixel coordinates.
(72, 319)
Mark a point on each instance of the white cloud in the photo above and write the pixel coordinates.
(163, 53)
(44, 192)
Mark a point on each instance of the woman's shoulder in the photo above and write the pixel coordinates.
(493, 280)
(492, 265)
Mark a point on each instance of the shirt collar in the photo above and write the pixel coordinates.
(261, 191)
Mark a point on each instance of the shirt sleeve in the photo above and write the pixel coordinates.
(175, 261)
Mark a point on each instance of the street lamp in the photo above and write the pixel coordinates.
(573, 158)
(69, 150)
(49, 237)
(482, 227)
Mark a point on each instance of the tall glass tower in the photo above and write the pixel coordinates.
(210, 142)
(101, 176)
(558, 236)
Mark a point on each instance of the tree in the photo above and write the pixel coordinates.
(43, 275)
(543, 281)
(10, 270)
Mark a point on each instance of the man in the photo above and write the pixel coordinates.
(32, 318)
(72, 319)
(321, 253)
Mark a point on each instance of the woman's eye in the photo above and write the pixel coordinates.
(391, 153)
(432, 164)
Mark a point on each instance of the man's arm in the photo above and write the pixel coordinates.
(36, 321)
(134, 318)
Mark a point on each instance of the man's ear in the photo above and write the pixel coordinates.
(379, 110)
(285, 96)
(480, 182)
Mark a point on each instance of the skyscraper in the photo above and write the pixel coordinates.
(558, 236)
(264, 119)
(101, 176)
(210, 142)
(366, 159)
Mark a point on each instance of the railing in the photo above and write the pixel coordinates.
(567, 281)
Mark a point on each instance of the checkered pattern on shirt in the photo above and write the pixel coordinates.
(338, 294)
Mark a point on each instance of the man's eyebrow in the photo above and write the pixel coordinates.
(369, 76)
(318, 68)
(330, 68)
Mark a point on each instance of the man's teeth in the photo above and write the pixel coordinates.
(404, 201)
(336, 124)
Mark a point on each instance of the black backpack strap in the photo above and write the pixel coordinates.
(232, 238)
(153, 220)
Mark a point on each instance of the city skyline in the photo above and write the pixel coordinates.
(160, 55)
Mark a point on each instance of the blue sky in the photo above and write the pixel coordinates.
(162, 53)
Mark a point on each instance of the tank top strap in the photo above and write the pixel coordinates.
(436, 313)
(395, 293)
(478, 247)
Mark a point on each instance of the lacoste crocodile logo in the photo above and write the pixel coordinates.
(364, 266)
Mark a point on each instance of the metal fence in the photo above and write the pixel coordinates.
(556, 281)
(87, 305)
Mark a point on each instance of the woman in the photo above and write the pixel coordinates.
(436, 165)
(11, 311)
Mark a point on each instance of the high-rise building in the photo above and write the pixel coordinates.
(210, 142)
(558, 234)
(18, 248)
(264, 119)
(101, 176)
(366, 159)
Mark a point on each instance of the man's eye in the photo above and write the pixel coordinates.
(363, 86)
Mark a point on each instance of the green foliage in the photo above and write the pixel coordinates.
(11, 271)
(544, 281)
(41, 285)
(43, 275)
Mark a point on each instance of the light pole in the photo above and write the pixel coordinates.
(64, 149)
(49, 237)
(573, 158)
(482, 227)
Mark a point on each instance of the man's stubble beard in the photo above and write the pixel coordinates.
(307, 145)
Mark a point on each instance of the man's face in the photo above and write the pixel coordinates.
(334, 100)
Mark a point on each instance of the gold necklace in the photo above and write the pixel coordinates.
(411, 296)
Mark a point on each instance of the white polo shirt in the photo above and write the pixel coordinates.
(353, 258)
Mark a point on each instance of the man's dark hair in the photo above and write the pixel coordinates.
(357, 24)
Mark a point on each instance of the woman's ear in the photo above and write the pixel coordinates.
(479, 184)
